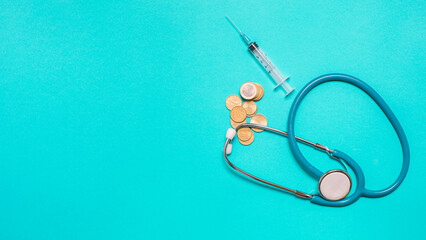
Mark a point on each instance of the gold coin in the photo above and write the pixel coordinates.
(244, 134)
(248, 90)
(238, 114)
(233, 101)
(259, 119)
(250, 107)
(261, 92)
(236, 124)
(247, 142)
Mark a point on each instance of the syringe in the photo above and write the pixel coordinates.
(265, 62)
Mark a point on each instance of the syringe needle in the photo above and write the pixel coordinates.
(242, 35)
(232, 22)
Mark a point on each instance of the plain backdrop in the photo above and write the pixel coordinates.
(113, 118)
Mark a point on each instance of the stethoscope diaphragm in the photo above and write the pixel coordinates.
(335, 185)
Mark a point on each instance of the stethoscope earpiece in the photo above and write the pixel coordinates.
(335, 185)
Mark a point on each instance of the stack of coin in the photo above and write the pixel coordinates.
(250, 107)
(259, 119)
(241, 110)
(245, 136)
(238, 116)
(251, 91)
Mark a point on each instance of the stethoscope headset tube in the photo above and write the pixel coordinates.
(360, 189)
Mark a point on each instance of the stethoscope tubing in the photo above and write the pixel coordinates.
(308, 167)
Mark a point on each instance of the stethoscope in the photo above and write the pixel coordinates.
(334, 185)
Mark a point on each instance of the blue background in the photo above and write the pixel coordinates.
(113, 118)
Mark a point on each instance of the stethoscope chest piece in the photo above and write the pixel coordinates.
(335, 185)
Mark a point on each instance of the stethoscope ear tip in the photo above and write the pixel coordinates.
(229, 149)
(230, 133)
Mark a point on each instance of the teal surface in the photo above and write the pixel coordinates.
(113, 118)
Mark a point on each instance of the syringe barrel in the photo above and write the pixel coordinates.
(270, 67)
